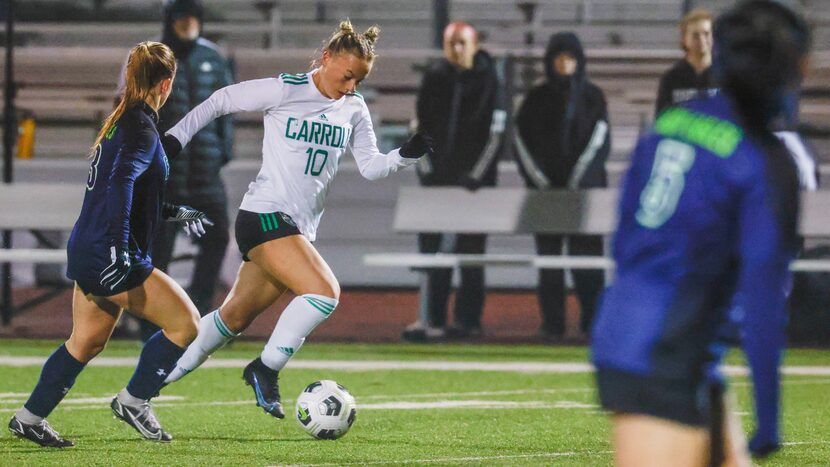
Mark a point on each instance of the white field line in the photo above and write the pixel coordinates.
(475, 404)
(506, 392)
(422, 365)
(398, 405)
(474, 459)
(794, 382)
(20, 397)
(12, 395)
(441, 404)
(106, 400)
(395, 400)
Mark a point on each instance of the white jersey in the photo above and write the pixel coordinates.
(306, 133)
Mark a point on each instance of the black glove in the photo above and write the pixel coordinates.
(172, 146)
(418, 145)
(192, 220)
(470, 183)
(118, 270)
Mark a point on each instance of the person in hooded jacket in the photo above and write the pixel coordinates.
(460, 105)
(195, 174)
(562, 142)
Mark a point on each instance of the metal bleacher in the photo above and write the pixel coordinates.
(67, 74)
(67, 68)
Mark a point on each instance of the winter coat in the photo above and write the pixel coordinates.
(463, 112)
(201, 70)
(563, 135)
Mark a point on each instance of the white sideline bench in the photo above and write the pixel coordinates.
(38, 206)
(518, 211)
(444, 260)
(35, 207)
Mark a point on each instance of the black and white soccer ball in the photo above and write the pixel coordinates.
(326, 410)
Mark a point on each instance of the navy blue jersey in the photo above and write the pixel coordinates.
(124, 194)
(707, 220)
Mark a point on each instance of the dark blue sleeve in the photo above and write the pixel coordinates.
(761, 294)
(136, 152)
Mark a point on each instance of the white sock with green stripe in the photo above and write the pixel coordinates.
(213, 334)
(297, 321)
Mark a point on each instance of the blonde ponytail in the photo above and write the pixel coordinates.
(147, 64)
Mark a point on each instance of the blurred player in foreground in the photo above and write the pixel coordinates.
(109, 259)
(310, 119)
(708, 218)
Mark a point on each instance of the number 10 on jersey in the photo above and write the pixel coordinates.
(317, 159)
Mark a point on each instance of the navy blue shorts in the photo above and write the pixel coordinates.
(254, 228)
(688, 402)
(138, 274)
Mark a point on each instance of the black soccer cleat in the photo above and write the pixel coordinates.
(142, 418)
(265, 382)
(41, 434)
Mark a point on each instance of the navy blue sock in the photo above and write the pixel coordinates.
(56, 379)
(158, 357)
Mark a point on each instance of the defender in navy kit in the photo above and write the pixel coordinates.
(109, 259)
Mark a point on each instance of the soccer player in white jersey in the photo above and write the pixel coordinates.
(310, 119)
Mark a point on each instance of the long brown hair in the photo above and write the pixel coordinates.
(346, 40)
(148, 63)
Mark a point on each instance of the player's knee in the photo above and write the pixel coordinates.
(183, 331)
(236, 322)
(238, 314)
(85, 349)
(190, 329)
(327, 288)
(93, 350)
(334, 290)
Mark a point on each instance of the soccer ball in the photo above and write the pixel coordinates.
(326, 410)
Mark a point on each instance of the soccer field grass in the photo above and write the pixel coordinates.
(436, 404)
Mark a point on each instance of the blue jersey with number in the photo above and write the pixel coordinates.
(124, 194)
(707, 220)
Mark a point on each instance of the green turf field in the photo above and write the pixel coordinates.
(455, 415)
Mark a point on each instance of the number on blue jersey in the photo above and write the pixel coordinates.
(658, 201)
(93, 169)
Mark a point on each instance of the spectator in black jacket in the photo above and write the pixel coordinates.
(691, 76)
(563, 141)
(459, 105)
(195, 174)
